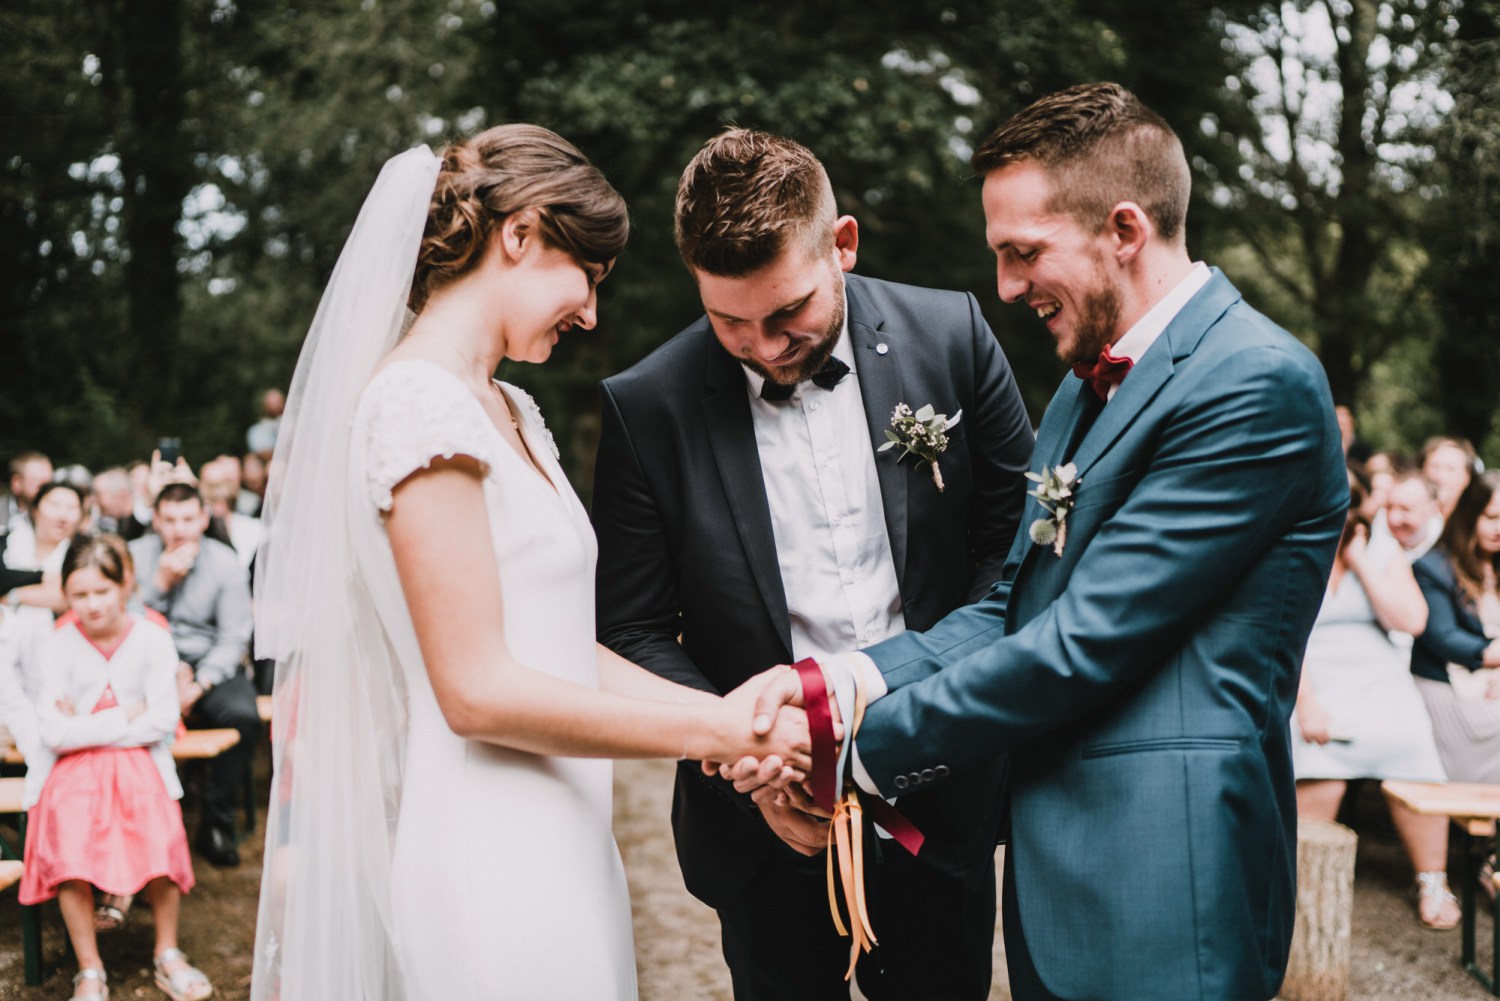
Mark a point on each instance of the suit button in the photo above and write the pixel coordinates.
(900, 781)
(916, 778)
(928, 775)
(941, 771)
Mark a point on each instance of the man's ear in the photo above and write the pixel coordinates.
(1130, 229)
(846, 241)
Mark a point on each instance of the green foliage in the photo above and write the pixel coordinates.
(261, 126)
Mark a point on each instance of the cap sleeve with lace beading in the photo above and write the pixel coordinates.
(413, 413)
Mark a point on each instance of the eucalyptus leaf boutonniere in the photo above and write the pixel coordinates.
(1056, 491)
(923, 434)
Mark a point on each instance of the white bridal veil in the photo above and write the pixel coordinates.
(324, 921)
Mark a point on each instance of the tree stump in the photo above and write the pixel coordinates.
(1318, 969)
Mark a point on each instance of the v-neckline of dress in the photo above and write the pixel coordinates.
(529, 459)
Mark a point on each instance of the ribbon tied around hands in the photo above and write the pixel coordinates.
(846, 829)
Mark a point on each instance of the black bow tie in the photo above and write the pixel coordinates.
(826, 377)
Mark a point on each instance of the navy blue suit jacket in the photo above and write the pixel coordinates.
(1143, 680)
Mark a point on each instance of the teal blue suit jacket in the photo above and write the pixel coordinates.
(1143, 680)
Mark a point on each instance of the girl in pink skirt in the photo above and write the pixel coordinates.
(105, 814)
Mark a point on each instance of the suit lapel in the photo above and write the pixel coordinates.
(731, 434)
(1156, 366)
(881, 388)
(1069, 406)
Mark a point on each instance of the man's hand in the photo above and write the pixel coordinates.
(174, 565)
(765, 779)
(188, 689)
(65, 706)
(802, 832)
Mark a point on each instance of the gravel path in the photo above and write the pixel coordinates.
(1395, 959)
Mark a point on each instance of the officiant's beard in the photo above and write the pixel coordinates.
(808, 365)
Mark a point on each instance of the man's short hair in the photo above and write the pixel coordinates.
(745, 197)
(19, 463)
(1406, 474)
(176, 493)
(1100, 146)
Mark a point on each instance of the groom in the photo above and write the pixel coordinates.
(745, 518)
(1141, 660)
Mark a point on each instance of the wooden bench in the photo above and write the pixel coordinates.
(194, 745)
(1473, 809)
(12, 792)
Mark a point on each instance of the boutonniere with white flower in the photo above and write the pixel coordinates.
(923, 434)
(1056, 491)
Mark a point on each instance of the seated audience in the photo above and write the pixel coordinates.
(1450, 463)
(201, 588)
(104, 813)
(1359, 715)
(1455, 659)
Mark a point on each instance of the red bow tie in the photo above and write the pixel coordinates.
(1106, 372)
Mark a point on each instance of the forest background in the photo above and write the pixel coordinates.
(177, 177)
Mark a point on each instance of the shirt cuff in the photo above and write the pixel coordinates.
(873, 682)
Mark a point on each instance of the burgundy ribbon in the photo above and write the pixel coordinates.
(823, 783)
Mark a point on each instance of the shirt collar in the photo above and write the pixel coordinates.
(1148, 328)
(843, 350)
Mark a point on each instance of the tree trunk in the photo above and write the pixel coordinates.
(1319, 966)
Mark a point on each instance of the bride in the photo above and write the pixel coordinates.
(440, 812)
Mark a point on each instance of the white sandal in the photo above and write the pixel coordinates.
(1434, 884)
(187, 983)
(90, 974)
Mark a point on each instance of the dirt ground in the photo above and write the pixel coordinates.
(677, 937)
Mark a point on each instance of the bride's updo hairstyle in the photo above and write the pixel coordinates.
(507, 169)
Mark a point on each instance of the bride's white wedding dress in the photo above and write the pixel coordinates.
(505, 879)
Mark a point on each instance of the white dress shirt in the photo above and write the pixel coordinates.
(826, 513)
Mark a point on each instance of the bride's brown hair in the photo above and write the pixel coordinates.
(508, 169)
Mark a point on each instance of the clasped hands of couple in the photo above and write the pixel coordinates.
(776, 779)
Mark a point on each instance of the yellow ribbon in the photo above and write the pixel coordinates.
(846, 834)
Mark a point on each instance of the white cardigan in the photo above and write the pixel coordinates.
(142, 670)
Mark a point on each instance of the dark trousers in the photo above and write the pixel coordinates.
(228, 704)
(935, 932)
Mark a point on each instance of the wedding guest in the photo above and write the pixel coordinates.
(1411, 516)
(28, 472)
(200, 586)
(252, 485)
(17, 705)
(219, 480)
(1450, 463)
(1354, 449)
(116, 505)
(142, 492)
(261, 438)
(1359, 715)
(105, 814)
(38, 542)
(1455, 659)
(740, 503)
